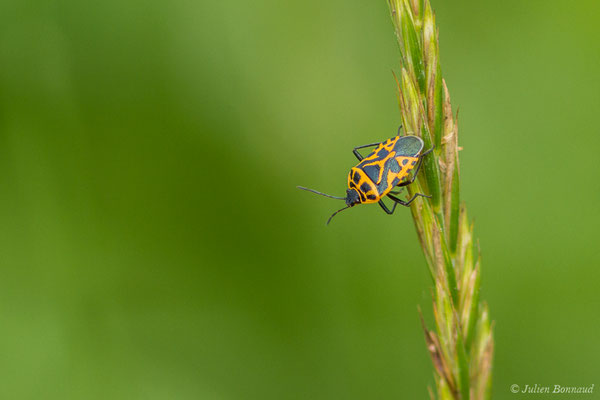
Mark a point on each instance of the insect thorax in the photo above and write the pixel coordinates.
(366, 188)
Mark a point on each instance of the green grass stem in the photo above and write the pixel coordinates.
(461, 344)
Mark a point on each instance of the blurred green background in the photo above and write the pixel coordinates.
(154, 245)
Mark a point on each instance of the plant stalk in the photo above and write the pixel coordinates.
(461, 342)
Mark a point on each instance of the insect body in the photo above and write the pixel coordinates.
(385, 168)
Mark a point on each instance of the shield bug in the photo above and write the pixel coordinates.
(388, 166)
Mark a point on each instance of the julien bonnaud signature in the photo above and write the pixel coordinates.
(553, 389)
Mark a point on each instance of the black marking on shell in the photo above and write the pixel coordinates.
(365, 187)
(372, 172)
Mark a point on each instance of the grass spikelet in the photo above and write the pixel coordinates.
(461, 342)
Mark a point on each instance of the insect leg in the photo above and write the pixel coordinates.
(407, 203)
(387, 210)
(428, 151)
(358, 155)
(399, 128)
(414, 176)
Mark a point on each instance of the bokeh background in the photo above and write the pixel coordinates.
(154, 245)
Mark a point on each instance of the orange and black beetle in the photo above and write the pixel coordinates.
(386, 167)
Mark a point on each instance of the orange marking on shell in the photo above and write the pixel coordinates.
(381, 164)
(390, 178)
(408, 163)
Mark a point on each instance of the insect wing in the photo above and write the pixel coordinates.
(408, 146)
(406, 150)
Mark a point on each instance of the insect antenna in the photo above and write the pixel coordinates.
(333, 215)
(322, 194)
